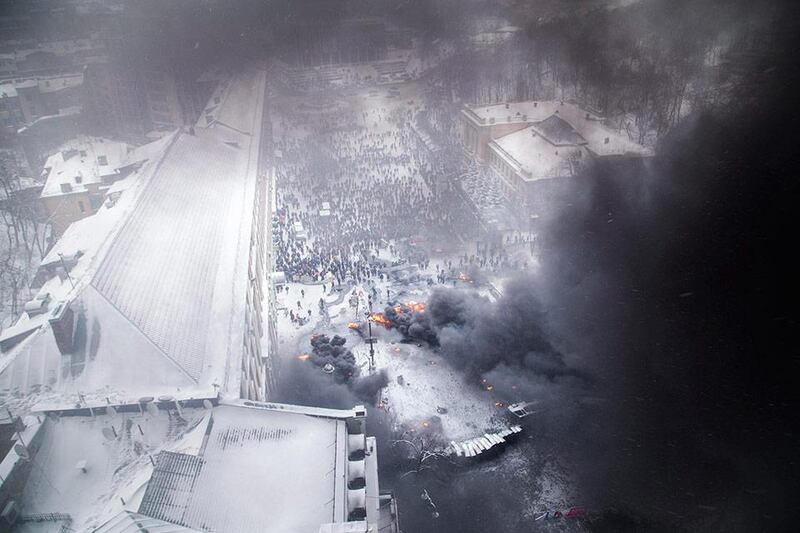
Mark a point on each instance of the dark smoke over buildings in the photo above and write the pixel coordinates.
(663, 310)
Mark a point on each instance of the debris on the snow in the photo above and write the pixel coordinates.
(479, 445)
(521, 409)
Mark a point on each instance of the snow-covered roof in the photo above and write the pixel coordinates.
(177, 269)
(130, 522)
(117, 467)
(58, 83)
(7, 90)
(177, 248)
(228, 468)
(534, 156)
(62, 112)
(260, 470)
(558, 131)
(511, 112)
(68, 46)
(167, 268)
(161, 286)
(80, 162)
(600, 139)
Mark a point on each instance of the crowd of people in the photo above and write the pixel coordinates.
(356, 187)
(369, 172)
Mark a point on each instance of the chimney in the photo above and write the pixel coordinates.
(62, 322)
(606, 140)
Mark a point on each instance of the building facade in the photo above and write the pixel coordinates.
(528, 149)
(77, 178)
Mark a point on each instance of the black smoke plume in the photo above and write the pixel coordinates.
(307, 381)
(412, 322)
(663, 316)
(480, 336)
(331, 351)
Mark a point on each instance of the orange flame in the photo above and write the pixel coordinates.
(381, 319)
(417, 307)
(353, 325)
(463, 276)
(304, 357)
(409, 307)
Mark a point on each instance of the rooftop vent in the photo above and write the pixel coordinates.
(606, 141)
(66, 187)
(36, 307)
(62, 323)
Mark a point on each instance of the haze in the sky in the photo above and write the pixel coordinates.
(579, 208)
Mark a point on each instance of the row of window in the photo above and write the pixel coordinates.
(257, 376)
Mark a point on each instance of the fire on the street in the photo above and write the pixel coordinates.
(381, 319)
(354, 325)
(413, 307)
(304, 357)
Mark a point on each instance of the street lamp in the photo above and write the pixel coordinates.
(371, 340)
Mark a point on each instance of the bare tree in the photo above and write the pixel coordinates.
(24, 244)
(422, 451)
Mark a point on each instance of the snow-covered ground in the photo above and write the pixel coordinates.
(424, 393)
(423, 389)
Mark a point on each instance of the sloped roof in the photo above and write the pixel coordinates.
(67, 166)
(129, 522)
(558, 131)
(536, 157)
(164, 289)
(162, 268)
